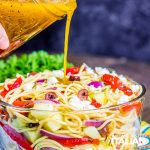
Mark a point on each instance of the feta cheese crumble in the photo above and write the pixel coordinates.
(28, 86)
(80, 104)
(58, 73)
(52, 80)
(123, 99)
(101, 71)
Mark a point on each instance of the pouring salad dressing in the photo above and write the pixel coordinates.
(23, 19)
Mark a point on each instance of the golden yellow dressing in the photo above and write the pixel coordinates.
(22, 19)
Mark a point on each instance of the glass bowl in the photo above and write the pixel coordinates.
(116, 127)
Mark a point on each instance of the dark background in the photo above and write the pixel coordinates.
(118, 28)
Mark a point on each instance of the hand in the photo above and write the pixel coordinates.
(4, 41)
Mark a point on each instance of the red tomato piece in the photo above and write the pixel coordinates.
(70, 142)
(16, 84)
(95, 103)
(115, 83)
(73, 70)
(25, 104)
(3, 93)
(135, 105)
(126, 90)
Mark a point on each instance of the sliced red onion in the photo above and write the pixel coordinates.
(54, 102)
(53, 136)
(17, 137)
(48, 148)
(96, 84)
(40, 81)
(52, 88)
(95, 123)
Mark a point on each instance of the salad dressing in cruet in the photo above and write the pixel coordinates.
(23, 19)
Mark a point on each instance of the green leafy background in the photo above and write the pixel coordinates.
(37, 61)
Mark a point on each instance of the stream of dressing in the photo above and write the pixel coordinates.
(66, 43)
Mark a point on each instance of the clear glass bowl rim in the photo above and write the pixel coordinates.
(4, 104)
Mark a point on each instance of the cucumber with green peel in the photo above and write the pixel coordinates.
(19, 123)
(32, 136)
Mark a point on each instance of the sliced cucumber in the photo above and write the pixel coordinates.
(42, 111)
(53, 125)
(92, 132)
(32, 136)
(19, 123)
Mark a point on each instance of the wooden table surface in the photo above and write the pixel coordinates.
(138, 71)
